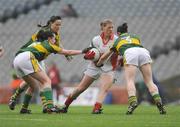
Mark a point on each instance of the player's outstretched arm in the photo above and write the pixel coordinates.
(70, 52)
(103, 58)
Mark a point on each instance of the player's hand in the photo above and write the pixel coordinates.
(86, 49)
(89, 55)
(69, 57)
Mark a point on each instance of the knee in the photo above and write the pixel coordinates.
(30, 90)
(104, 89)
(47, 81)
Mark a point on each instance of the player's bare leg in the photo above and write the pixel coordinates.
(105, 84)
(14, 97)
(147, 75)
(27, 98)
(45, 87)
(84, 84)
(130, 72)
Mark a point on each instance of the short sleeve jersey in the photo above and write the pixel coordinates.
(103, 47)
(41, 50)
(126, 41)
(34, 38)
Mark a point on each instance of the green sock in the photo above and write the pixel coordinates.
(132, 99)
(43, 99)
(47, 93)
(157, 98)
(17, 93)
(27, 99)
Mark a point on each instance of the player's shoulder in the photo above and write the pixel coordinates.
(96, 38)
(134, 35)
(45, 29)
(96, 41)
(115, 37)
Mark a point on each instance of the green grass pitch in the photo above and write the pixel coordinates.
(79, 116)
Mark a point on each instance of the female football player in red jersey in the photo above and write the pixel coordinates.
(105, 74)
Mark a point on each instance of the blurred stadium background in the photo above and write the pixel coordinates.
(157, 22)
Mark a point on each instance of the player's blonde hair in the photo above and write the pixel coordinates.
(105, 22)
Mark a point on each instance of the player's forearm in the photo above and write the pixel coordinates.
(70, 52)
(74, 52)
(103, 58)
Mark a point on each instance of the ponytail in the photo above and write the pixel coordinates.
(123, 28)
(51, 20)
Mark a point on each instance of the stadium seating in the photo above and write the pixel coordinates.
(11, 9)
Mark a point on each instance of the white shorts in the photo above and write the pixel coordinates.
(137, 56)
(96, 72)
(25, 63)
(43, 66)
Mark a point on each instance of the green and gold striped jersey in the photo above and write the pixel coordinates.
(126, 41)
(41, 50)
(34, 38)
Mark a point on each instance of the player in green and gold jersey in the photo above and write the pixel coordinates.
(52, 25)
(134, 56)
(26, 64)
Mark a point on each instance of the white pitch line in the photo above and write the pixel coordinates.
(23, 119)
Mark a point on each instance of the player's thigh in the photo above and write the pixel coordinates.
(86, 82)
(41, 76)
(130, 72)
(30, 81)
(146, 72)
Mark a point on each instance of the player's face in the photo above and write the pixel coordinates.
(52, 40)
(108, 29)
(55, 26)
